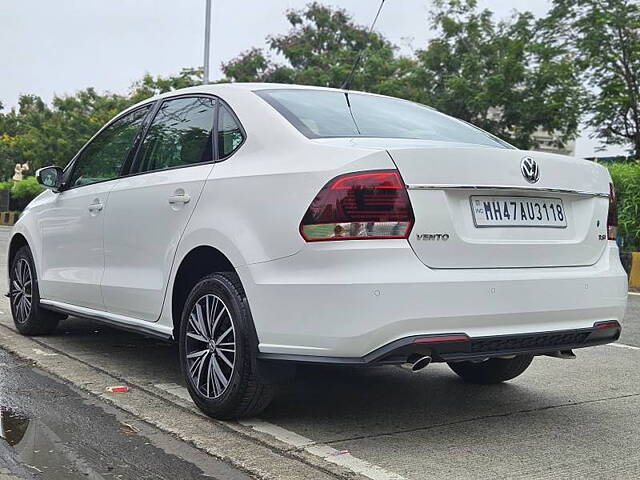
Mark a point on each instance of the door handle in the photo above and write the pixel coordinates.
(179, 198)
(96, 207)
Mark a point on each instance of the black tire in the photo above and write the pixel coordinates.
(28, 316)
(244, 394)
(494, 370)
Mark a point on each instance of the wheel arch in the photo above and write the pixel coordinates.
(200, 261)
(205, 260)
(17, 241)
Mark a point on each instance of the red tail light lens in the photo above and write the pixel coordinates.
(364, 205)
(612, 217)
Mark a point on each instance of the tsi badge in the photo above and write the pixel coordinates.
(437, 237)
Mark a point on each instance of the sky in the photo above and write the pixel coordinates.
(61, 46)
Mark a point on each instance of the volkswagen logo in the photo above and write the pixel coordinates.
(529, 169)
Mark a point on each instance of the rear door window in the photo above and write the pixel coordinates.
(180, 135)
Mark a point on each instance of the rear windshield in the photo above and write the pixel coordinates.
(327, 114)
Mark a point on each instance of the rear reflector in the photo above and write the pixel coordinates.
(356, 206)
(442, 338)
(612, 217)
(608, 324)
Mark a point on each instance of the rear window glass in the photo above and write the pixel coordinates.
(326, 114)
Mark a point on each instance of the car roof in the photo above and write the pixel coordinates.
(253, 86)
(221, 88)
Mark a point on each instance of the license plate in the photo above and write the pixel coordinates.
(518, 212)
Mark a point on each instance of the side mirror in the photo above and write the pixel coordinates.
(50, 177)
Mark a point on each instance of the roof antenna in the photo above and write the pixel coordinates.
(347, 84)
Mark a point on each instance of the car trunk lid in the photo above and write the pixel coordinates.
(447, 183)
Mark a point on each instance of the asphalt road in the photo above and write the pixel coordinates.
(561, 419)
(101, 442)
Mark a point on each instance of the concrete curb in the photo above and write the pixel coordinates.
(8, 218)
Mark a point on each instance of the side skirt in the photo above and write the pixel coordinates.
(118, 321)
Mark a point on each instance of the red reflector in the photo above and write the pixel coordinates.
(442, 338)
(612, 217)
(609, 324)
(118, 389)
(363, 205)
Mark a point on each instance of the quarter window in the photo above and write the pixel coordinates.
(179, 135)
(102, 159)
(230, 135)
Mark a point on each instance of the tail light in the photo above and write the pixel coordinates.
(363, 205)
(612, 217)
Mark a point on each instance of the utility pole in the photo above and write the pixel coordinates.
(207, 38)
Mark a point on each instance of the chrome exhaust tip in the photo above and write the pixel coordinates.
(416, 362)
(563, 354)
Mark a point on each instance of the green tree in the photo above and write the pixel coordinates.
(499, 75)
(320, 49)
(604, 36)
(626, 178)
(40, 135)
(149, 85)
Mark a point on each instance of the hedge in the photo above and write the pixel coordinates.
(626, 179)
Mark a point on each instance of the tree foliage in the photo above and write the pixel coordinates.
(320, 49)
(626, 178)
(501, 76)
(604, 37)
(149, 85)
(41, 134)
(509, 76)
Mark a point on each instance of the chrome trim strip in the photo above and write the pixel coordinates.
(417, 186)
(112, 319)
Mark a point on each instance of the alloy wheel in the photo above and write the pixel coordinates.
(21, 290)
(210, 346)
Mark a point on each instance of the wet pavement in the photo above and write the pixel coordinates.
(52, 431)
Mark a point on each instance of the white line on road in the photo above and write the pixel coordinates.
(37, 351)
(634, 293)
(622, 345)
(282, 434)
(341, 458)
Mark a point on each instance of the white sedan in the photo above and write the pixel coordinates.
(261, 226)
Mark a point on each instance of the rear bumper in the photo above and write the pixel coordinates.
(347, 300)
(459, 347)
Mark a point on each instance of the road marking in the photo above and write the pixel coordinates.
(282, 434)
(634, 293)
(37, 351)
(622, 345)
(341, 458)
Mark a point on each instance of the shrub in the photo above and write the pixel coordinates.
(23, 192)
(26, 189)
(626, 179)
